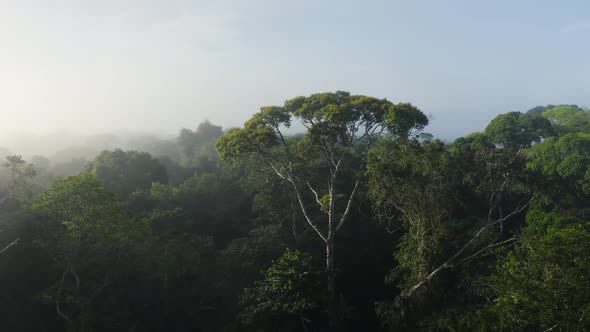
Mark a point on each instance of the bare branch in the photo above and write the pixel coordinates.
(289, 177)
(552, 327)
(281, 175)
(315, 193)
(449, 263)
(348, 205)
(13, 243)
(304, 209)
(493, 245)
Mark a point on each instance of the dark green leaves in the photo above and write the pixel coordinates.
(290, 286)
(515, 130)
(124, 172)
(543, 284)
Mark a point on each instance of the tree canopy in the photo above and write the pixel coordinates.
(126, 171)
(329, 212)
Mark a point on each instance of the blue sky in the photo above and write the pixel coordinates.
(155, 65)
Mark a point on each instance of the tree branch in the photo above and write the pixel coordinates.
(348, 205)
(450, 262)
(493, 245)
(315, 193)
(289, 177)
(304, 209)
(13, 243)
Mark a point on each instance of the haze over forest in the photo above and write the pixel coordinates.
(303, 166)
(157, 66)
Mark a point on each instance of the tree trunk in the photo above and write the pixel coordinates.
(330, 267)
(330, 274)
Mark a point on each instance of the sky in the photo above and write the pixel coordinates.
(161, 65)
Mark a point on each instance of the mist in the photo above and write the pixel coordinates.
(155, 67)
(265, 165)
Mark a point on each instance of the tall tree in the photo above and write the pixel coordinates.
(340, 128)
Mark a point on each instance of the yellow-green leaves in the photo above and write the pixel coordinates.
(404, 119)
(330, 119)
(238, 143)
(567, 158)
(269, 116)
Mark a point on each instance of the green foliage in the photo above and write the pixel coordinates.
(290, 286)
(541, 219)
(481, 167)
(77, 200)
(516, 130)
(238, 143)
(121, 248)
(408, 180)
(568, 118)
(566, 158)
(205, 204)
(81, 217)
(270, 116)
(543, 284)
(124, 172)
(83, 228)
(197, 147)
(242, 259)
(330, 118)
(405, 119)
(19, 177)
(538, 110)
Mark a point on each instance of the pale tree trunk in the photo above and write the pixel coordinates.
(331, 284)
(330, 271)
(330, 240)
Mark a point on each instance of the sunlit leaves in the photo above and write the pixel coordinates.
(405, 119)
(567, 157)
(330, 118)
(239, 143)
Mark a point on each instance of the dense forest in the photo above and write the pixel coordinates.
(362, 221)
